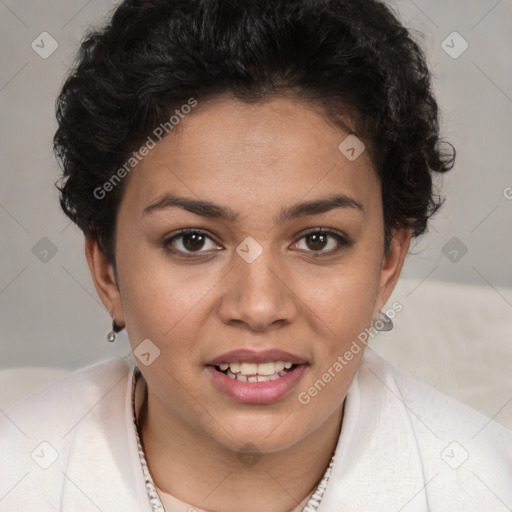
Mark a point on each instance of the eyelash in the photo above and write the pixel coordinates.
(342, 240)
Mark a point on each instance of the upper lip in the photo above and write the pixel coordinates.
(253, 356)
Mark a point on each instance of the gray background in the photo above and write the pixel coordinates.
(50, 314)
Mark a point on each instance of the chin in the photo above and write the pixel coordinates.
(266, 435)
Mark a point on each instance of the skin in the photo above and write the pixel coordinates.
(256, 160)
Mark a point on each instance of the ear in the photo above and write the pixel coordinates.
(392, 264)
(102, 272)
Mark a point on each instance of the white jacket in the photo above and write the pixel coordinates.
(403, 446)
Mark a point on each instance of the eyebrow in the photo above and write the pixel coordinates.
(208, 209)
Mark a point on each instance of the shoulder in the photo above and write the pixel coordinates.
(426, 404)
(78, 389)
(73, 432)
(465, 457)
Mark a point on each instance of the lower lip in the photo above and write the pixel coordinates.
(257, 392)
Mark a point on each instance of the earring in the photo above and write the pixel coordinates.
(111, 336)
(382, 323)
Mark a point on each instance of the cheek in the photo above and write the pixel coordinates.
(343, 310)
(342, 300)
(160, 299)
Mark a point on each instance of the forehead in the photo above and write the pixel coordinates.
(252, 155)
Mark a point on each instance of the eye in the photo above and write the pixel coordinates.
(316, 240)
(189, 241)
(322, 241)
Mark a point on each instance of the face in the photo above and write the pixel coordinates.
(282, 262)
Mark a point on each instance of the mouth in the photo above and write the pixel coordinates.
(256, 372)
(256, 377)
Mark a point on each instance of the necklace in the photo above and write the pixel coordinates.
(154, 500)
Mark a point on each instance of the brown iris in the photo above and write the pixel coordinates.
(318, 241)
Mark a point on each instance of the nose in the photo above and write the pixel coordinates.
(257, 295)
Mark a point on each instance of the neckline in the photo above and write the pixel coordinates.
(154, 499)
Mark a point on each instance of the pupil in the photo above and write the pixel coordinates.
(193, 241)
(318, 241)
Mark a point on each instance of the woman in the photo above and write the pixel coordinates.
(248, 177)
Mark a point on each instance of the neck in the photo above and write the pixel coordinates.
(199, 471)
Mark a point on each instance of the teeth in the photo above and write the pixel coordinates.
(247, 369)
(262, 369)
(266, 368)
(252, 372)
(255, 378)
(265, 378)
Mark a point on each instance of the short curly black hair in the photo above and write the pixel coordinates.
(354, 59)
